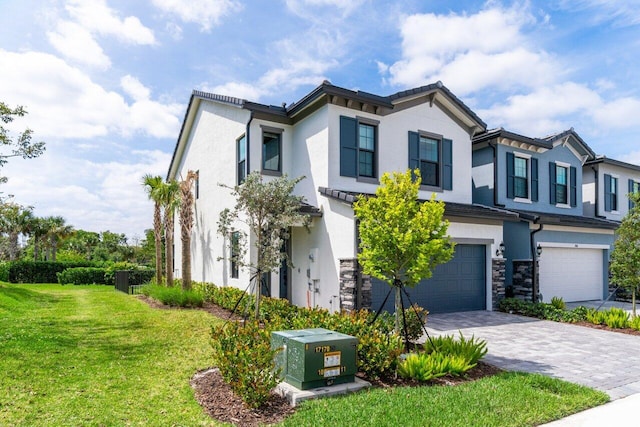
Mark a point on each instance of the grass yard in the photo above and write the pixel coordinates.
(507, 399)
(89, 355)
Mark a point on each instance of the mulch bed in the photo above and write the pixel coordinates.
(627, 331)
(221, 403)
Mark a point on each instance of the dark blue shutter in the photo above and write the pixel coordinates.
(348, 147)
(552, 183)
(447, 164)
(414, 152)
(534, 180)
(630, 192)
(573, 194)
(607, 192)
(510, 175)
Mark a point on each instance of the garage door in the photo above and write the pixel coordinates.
(459, 285)
(572, 274)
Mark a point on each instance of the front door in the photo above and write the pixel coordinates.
(285, 273)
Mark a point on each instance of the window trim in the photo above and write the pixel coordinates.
(197, 185)
(616, 210)
(374, 152)
(567, 167)
(527, 158)
(438, 138)
(245, 171)
(273, 131)
(349, 146)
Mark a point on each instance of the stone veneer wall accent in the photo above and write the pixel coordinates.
(355, 287)
(522, 279)
(497, 281)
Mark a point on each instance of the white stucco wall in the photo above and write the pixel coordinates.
(393, 144)
(624, 175)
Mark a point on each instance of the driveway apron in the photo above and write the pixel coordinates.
(604, 360)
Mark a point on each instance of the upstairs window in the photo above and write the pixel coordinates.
(359, 148)
(563, 185)
(432, 155)
(197, 185)
(241, 155)
(366, 150)
(430, 161)
(610, 193)
(271, 152)
(521, 178)
(634, 188)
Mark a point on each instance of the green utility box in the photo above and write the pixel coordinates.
(312, 358)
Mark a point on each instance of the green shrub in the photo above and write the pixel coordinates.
(82, 276)
(138, 275)
(558, 303)
(471, 349)
(173, 296)
(207, 290)
(543, 311)
(595, 317)
(4, 271)
(634, 323)
(427, 366)
(246, 361)
(40, 271)
(616, 318)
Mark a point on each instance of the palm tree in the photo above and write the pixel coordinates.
(58, 230)
(14, 220)
(186, 225)
(153, 185)
(170, 201)
(38, 228)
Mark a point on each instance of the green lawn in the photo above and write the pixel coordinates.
(89, 355)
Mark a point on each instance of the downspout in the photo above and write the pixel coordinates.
(249, 141)
(495, 174)
(535, 285)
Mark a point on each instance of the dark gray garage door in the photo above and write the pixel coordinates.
(459, 285)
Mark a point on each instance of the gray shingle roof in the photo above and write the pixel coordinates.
(606, 160)
(568, 220)
(450, 208)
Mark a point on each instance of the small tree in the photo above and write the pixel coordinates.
(269, 209)
(401, 239)
(22, 146)
(170, 201)
(625, 258)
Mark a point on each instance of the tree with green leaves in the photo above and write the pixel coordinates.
(625, 257)
(269, 208)
(401, 239)
(23, 145)
(186, 225)
(58, 229)
(15, 220)
(152, 185)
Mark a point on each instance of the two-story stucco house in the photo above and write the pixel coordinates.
(605, 186)
(342, 141)
(542, 180)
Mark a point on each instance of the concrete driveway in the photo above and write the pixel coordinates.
(604, 360)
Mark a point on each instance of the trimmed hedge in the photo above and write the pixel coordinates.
(82, 276)
(40, 271)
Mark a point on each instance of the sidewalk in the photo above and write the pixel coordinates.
(619, 413)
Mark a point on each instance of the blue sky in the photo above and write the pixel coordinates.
(107, 82)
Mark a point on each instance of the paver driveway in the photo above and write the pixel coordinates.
(604, 360)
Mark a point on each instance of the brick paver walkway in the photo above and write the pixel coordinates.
(604, 360)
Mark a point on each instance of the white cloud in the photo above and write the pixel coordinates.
(303, 61)
(618, 114)
(76, 43)
(94, 196)
(134, 88)
(75, 38)
(308, 9)
(546, 110)
(622, 13)
(470, 52)
(97, 17)
(206, 13)
(174, 30)
(64, 102)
